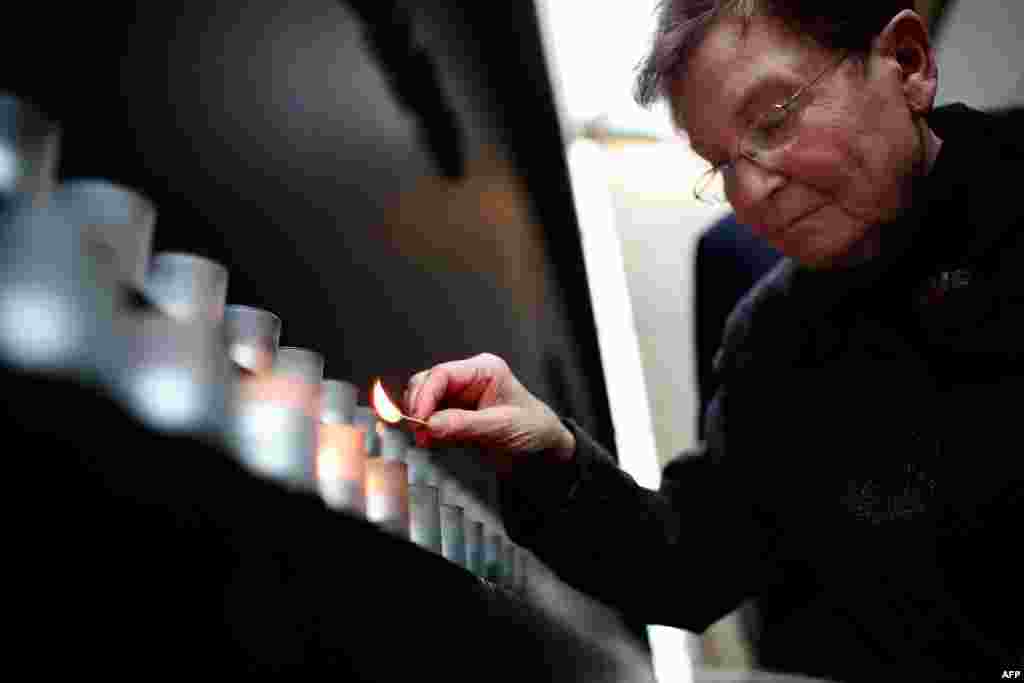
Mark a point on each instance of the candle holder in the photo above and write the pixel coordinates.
(279, 421)
(341, 459)
(117, 225)
(341, 468)
(475, 551)
(339, 402)
(366, 420)
(493, 556)
(187, 286)
(252, 336)
(522, 571)
(387, 495)
(508, 565)
(453, 534)
(425, 517)
(56, 315)
(29, 149)
(176, 378)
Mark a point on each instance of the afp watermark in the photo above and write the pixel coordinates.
(1012, 675)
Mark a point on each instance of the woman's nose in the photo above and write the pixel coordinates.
(749, 184)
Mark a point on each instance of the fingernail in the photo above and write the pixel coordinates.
(437, 424)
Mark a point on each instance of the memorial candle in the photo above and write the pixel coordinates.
(29, 148)
(252, 336)
(341, 459)
(187, 286)
(387, 485)
(280, 420)
(424, 497)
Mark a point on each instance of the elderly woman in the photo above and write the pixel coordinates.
(856, 376)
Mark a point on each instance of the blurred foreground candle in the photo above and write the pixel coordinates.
(341, 460)
(187, 286)
(280, 419)
(57, 314)
(117, 224)
(29, 149)
(252, 336)
(176, 378)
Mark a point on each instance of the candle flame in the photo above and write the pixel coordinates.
(383, 406)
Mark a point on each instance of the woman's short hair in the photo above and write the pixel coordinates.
(682, 24)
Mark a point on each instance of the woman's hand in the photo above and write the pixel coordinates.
(479, 401)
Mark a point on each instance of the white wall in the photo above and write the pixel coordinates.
(981, 55)
(659, 222)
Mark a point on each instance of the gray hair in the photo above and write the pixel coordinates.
(682, 25)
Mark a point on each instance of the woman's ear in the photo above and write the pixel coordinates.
(905, 41)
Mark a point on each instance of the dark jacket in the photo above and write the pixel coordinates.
(730, 259)
(861, 476)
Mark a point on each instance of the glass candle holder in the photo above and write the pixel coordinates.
(302, 364)
(453, 534)
(29, 150)
(425, 517)
(176, 378)
(508, 564)
(475, 546)
(117, 224)
(387, 495)
(366, 420)
(394, 442)
(187, 286)
(279, 419)
(341, 468)
(339, 402)
(493, 556)
(252, 336)
(57, 312)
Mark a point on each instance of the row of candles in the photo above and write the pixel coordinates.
(70, 251)
(362, 465)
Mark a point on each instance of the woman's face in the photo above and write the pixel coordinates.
(857, 144)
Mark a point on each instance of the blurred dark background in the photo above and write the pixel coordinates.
(271, 139)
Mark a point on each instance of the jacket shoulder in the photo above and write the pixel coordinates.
(761, 321)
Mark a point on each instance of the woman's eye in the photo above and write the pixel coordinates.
(774, 119)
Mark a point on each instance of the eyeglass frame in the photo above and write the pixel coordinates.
(784, 108)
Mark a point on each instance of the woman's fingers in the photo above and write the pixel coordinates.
(461, 383)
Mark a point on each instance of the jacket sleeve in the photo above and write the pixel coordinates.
(682, 556)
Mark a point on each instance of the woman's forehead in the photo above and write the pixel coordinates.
(736, 57)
